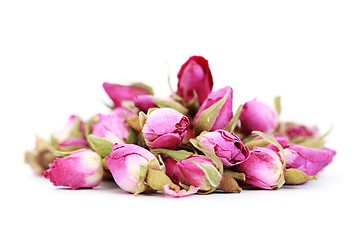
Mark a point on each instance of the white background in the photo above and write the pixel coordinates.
(54, 56)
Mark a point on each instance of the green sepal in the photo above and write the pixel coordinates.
(100, 145)
(230, 127)
(216, 159)
(156, 179)
(311, 142)
(296, 176)
(229, 184)
(193, 105)
(171, 104)
(143, 86)
(132, 138)
(212, 174)
(89, 123)
(257, 143)
(236, 175)
(208, 117)
(142, 175)
(277, 103)
(142, 119)
(58, 153)
(176, 155)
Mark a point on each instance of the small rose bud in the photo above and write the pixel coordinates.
(172, 170)
(195, 75)
(227, 146)
(257, 116)
(40, 157)
(216, 111)
(293, 130)
(113, 127)
(308, 160)
(264, 168)
(119, 93)
(82, 169)
(72, 136)
(200, 171)
(165, 128)
(127, 164)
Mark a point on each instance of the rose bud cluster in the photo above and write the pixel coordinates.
(190, 142)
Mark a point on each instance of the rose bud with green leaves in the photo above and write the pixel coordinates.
(109, 129)
(145, 102)
(81, 169)
(227, 146)
(264, 168)
(165, 128)
(71, 137)
(308, 160)
(195, 76)
(216, 111)
(257, 116)
(120, 93)
(199, 171)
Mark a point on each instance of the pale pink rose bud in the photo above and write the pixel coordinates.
(227, 146)
(119, 93)
(71, 136)
(82, 169)
(257, 116)
(218, 118)
(195, 75)
(200, 171)
(113, 127)
(165, 128)
(264, 168)
(125, 163)
(308, 160)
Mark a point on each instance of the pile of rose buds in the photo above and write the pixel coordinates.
(190, 142)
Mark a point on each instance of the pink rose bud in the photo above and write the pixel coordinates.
(72, 136)
(216, 111)
(165, 128)
(308, 160)
(200, 171)
(264, 168)
(119, 93)
(172, 170)
(227, 146)
(145, 102)
(293, 130)
(113, 127)
(195, 75)
(82, 169)
(125, 163)
(257, 116)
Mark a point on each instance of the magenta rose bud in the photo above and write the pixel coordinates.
(257, 116)
(113, 127)
(165, 128)
(224, 114)
(195, 75)
(264, 168)
(119, 93)
(172, 170)
(199, 171)
(308, 160)
(294, 130)
(82, 169)
(227, 146)
(145, 102)
(125, 163)
(283, 141)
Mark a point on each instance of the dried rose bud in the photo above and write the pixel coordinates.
(82, 169)
(119, 93)
(227, 146)
(216, 111)
(294, 130)
(40, 157)
(264, 168)
(165, 128)
(195, 76)
(126, 164)
(257, 116)
(308, 160)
